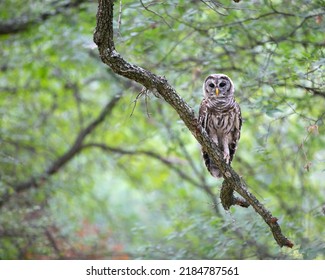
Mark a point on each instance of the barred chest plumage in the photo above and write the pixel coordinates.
(220, 116)
(221, 121)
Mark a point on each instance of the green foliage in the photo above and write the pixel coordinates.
(146, 193)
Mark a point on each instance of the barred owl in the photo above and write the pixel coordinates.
(220, 116)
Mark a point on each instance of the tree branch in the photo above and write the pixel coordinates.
(169, 162)
(313, 90)
(22, 23)
(37, 181)
(104, 38)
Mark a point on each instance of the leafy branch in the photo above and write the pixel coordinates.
(104, 38)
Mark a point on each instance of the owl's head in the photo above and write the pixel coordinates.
(218, 86)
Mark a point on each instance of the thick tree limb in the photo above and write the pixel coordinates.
(104, 38)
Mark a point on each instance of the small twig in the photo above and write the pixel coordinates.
(119, 21)
(158, 15)
(214, 5)
(144, 92)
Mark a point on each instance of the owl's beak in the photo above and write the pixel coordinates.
(217, 91)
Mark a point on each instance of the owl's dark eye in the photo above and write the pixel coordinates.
(222, 84)
(211, 85)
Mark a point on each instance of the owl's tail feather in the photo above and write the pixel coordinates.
(211, 166)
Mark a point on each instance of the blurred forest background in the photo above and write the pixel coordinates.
(90, 171)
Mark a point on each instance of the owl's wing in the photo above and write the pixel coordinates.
(235, 132)
(203, 120)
